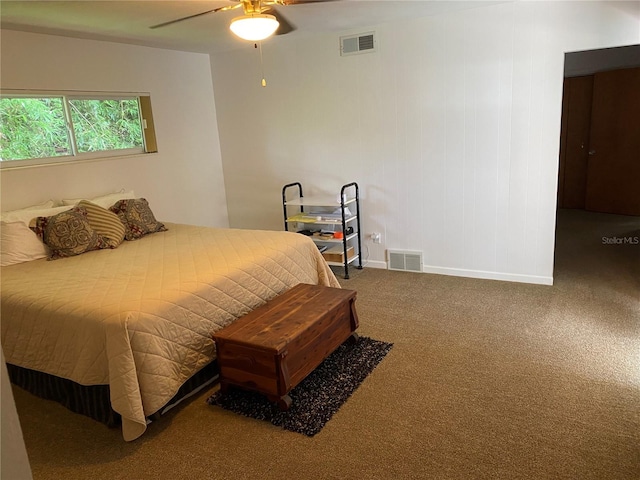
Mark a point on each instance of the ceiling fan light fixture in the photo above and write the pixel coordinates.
(254, 26)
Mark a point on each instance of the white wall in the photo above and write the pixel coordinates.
(14, 462)
(451, 129)
(183, 181)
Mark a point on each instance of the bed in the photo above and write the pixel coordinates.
(139, 318)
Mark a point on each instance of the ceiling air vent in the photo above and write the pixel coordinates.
(361, 43)
(407, 261)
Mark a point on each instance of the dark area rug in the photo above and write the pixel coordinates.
(319, 396)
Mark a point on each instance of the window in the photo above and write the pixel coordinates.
(39, 129)
(32, 128)
(101, 125)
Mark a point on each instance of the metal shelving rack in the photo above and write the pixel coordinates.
(349, 198)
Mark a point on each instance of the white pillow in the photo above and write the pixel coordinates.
(19, 244)
(40, 206)
(105, 201)
(26, 215)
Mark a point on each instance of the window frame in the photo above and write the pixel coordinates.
(149, 144)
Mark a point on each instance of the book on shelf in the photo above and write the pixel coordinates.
(317, 218)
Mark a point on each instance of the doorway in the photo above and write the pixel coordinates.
(598, 214)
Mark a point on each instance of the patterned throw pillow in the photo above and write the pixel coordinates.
(137, 217)
(68, 233)
(104, 222)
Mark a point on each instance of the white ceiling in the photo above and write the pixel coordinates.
(129, 21)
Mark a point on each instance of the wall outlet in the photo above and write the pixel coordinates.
(376, 237)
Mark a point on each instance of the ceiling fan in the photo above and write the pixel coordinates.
(260, 19)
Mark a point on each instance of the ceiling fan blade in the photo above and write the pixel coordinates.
(294, 2)
(302, 2)
(219, 9)
(171, 22)
(285, 26)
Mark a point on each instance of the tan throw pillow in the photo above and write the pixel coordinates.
(68, 233)
(137, 217)
(104, 222)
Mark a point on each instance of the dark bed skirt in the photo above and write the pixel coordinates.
(93, 400)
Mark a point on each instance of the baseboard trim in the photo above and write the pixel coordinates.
(481, 274)
(375, 264)
(486, 275)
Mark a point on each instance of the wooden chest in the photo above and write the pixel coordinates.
(273, 348)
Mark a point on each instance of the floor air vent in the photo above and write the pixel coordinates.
(361, 43)
(404, 260)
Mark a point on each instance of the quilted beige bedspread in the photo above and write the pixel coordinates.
(140, 317)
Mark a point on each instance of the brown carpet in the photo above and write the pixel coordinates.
(486, 380)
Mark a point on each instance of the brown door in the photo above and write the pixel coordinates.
(574, 141)
(613, 173)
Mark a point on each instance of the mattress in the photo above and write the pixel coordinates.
(141, 317)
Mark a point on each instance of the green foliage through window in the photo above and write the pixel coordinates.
(32, 128)
(106, 124)
(47, 127)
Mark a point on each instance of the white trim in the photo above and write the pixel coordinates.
(374, 264)
(486, 275)
(480, 274)
(7, 166)
(101, 154)
(32, 92)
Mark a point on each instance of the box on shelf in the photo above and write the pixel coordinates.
(336, 254)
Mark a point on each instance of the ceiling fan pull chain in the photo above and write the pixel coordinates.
(264, 81)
